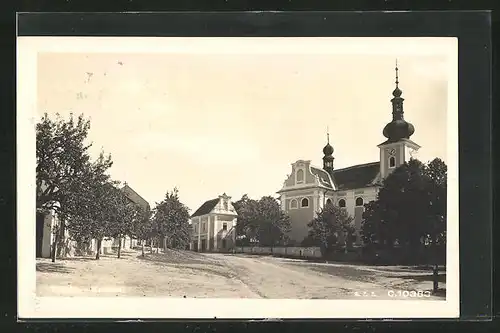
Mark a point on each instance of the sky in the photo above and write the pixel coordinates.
(233, 122)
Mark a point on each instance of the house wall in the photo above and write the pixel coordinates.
(300, 216)
(48, 237)
(228, 235)
(223, 212)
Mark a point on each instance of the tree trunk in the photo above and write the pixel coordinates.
(164, 244)
(119, 247)
(130, 242)
(142, 243)
(98, 250)
(151, 245)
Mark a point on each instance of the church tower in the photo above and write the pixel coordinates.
(328, 158)
(398, 148)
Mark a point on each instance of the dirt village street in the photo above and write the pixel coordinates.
(212, 275)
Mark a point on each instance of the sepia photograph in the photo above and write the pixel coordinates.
(237, 177)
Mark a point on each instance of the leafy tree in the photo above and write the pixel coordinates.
(374, 227)
(247, 221)
(171, 219)
(123, 217)
(98, 220)
(262, 220)
(273, 223)
(143, 227)
(64, 169)
(410, 210)
(331, 226)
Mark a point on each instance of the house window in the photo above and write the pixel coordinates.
(195, 228)
(225, 205)
(359, 202)
(300, 176)
(224, 226)
(293, 204)
(392, 162)
(342, 203)
(328, 201)
(304, 202)
(203, 227)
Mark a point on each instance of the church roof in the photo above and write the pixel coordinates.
(323, 176)
(357, 176)
(206, 208)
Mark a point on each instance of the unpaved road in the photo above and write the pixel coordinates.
(188, 274)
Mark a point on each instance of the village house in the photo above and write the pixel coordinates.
(46, 220)
(309, 188)
(213, 226)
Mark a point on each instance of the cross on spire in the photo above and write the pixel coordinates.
(397, 78)
(327, 135)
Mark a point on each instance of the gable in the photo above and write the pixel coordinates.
(135, 197)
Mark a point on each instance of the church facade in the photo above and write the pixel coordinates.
(309, 188)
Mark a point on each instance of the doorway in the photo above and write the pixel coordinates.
(40, 221)
(203, 245)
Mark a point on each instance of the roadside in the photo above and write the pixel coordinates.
(175, 274)
(198, 275)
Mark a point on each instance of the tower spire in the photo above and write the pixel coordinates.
(328, 151)
(398, 128)
(397, 78)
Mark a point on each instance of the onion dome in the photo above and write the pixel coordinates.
(328, 150)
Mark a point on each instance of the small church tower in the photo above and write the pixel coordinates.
(398, 148)
(328, 158)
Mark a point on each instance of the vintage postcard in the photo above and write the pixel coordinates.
(237, 177)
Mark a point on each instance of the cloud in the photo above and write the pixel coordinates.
(213, 150)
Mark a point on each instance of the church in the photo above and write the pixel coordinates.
(309, 188)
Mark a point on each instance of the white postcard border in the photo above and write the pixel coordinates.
(31, 306)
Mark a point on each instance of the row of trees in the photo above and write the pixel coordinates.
(89, 204)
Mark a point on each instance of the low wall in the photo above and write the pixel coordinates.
(299, 252)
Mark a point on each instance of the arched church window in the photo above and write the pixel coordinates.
(392, 162)
(342, 203)
(293, 204)
(359, 202)
(304, 203)
(328, 201)
(300, 176)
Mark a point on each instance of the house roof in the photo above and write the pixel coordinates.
(135, 197)
(357, 176)
(323, 176)
(206, 208)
